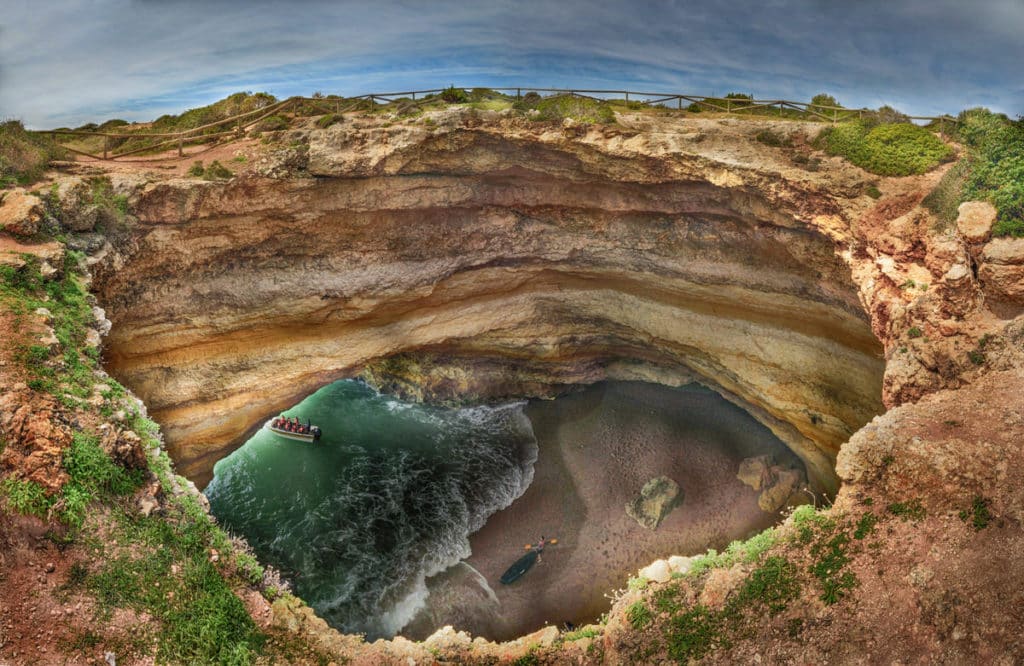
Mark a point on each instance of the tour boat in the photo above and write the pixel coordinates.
(311, 434)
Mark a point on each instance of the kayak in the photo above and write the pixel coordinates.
(521, 566)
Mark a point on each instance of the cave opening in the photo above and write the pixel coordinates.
(451, 280)
(404, 516)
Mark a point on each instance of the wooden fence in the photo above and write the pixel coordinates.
(241, 123)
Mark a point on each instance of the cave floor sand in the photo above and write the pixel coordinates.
(597, 448)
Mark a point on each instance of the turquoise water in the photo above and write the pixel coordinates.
(387, 498)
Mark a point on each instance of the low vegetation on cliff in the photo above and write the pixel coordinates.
(24, 155)
(886, 149)
(996, 161)
(136, 543)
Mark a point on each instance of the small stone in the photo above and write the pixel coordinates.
(680, 564)
(658, 571)
(50, 567)
(92, 338)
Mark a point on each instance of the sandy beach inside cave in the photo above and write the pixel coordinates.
(597, 448)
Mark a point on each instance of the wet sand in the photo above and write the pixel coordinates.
(597, 448)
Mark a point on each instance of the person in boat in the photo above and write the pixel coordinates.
(539, 547)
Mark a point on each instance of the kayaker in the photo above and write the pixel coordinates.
(539, 547)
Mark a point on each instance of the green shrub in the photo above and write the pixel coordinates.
(738, 551)
(25, 497)
(323, 122)
(911, 510)
(580, 109)
(216, 171)
(865, 526)
(770, 138)
(914, 331)
(589, 631)
(694, 632)
(639, 615)
(873, 192)
(197, 169)
(944, 201)
(102, 192)
(996, 166)
(93, 475)
(454, 95)
(899, 149)
(830, 560)
(822, 100)
(887, 114)
(271, 124)
(978, 515)
(24, 155)
(232, 105)
(773, 584)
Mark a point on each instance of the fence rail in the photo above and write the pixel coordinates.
(246, 120)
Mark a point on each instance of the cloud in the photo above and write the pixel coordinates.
(68, 61)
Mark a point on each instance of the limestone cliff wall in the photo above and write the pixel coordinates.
(497, 259)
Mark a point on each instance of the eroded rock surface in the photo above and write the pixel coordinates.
(502, 259)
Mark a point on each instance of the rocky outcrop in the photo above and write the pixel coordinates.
(780, 486)
(20, 213)
(974, 221)
(506, 259)
(656, 499)
(1001, 271)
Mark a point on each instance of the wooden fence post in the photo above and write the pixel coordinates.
(181, 147)
(106, 145)
(519, 93)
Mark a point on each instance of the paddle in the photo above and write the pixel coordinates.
(549, 542)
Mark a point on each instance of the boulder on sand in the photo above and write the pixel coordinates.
(658, 496)
(776, 483)
(755, 471)
(776, 496)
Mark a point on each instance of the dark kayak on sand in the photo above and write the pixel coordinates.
(521, 566)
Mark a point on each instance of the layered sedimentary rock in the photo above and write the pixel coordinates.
(486, 260)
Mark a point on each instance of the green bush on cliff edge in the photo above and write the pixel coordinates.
(996, 159)
(896, 149)
(24, 155)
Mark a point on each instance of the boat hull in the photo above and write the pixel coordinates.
(521, 566)
(309, 438)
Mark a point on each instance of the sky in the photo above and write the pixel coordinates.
(67, 62)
